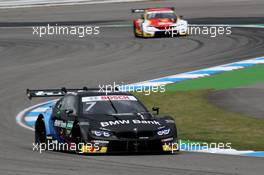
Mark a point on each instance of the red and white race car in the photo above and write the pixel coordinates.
(159, 21)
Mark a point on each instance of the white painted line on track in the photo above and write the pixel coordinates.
(225, 151)
(103, 26)
(228, 25)
(146, 83)
(130, 25)
(224, 68)
(191, 76)
(45, 3)
(252, 61)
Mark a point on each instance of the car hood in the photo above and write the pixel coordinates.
(161, 22)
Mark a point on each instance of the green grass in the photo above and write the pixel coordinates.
(198, 120)
(225, 80)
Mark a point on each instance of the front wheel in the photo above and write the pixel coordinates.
(77, 138)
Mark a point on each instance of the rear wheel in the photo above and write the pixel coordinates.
(40, 130)
(135, 31)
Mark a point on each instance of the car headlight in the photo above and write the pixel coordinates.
(98, 133)
(163, 132)
(183, 23)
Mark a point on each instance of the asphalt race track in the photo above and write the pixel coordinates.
(27, 61)
(238, 100)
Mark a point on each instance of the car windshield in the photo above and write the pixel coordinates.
(113, 104)
(161, 16)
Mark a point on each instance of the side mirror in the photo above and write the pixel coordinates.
(181, 16)
(68, 111)
(156, 109)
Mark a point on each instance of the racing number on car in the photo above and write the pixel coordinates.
(89, 106)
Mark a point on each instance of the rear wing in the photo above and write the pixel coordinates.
(54, 92)
(143, 10)
(59, 92)
(138, 10)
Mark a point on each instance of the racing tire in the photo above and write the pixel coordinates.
(40, 130)
(135, 33)
(76, 135)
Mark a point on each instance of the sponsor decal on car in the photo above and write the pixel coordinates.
(63, 124)
(109, 97)
(60, 123)
(127, 122)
